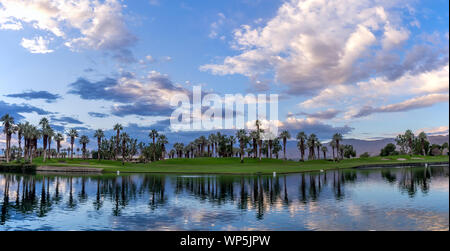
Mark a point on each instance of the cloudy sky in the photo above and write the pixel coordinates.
(367, 69)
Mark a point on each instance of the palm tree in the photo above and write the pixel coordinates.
(337, 138)
(117, 128)
(231, 139)
(51, 135)
(243, 140)
(45, 129)
(324, 150)
(211, 140)
(84, 140)
(125, 139)
(254, 137)
(410, 138)
(8, 122)
(423, 137)
(260, 141)
(73, 133)
(285, 135)
(318, 145)
(333, 146)
(203, 141)
(162, 141)
(99, 134)
(312, 144)
(58, 138)
(20, 131)
(301, 137)
(153, 135)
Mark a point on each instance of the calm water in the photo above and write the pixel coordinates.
(377, 199)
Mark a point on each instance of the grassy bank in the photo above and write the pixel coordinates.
(233, 165)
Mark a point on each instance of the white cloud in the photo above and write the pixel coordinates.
(378, 89)
(407, 105)
(440, 130)
(80, 23)
(37, 45)
(312, 45)
(215, 27)
(394, 37)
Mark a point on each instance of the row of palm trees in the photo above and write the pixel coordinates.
(219, 145)
(251, 143)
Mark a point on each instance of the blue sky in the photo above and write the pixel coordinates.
(368, 69)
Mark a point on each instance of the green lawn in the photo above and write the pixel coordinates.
(233, 165)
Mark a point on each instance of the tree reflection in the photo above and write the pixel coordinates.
(41, 195)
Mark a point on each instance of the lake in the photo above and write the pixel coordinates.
(364, 199)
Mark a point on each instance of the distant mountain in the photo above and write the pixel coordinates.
(373, 147)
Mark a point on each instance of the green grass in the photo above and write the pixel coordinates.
(233, 165)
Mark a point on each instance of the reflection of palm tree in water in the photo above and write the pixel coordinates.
(5, 205)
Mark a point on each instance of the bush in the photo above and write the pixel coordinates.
(365, 155)
(389, 150)
(18, 168)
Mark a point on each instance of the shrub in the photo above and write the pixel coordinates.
(18, 168)
(389, 150)
(365, 155)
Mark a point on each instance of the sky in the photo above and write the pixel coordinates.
(366, 69)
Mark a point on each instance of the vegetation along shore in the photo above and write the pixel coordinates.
(246, 152)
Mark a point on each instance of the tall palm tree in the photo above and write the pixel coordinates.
(162, 141)
(99, 134)
(243, 140)
(35, 135)
(58, 138)
(211, 140)
(260, 140)
(117, 128)
(318, 145)
(254, 137)
(285, 135)
(203, 142)
(125, 139)
(51, 135)
(153, 135)
(338, 138)
(84, 140)
(73, 133)
(410, 138)
(423, 137)
(44, 123)
(312, 141)
(20, 131)
(8, 122)
(231, 139)
(324, 150)
(333, 146)
(301, 137)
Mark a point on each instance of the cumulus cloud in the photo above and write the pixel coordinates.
(88, 24)
(377, 89)
(30, 95)
(410, 104)
(16, 110)
(148, 96)
(37, 45)
(311, 45)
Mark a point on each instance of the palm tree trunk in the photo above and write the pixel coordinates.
(260, 152)
(284, 148)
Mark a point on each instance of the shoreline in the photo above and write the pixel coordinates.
(91, 170)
